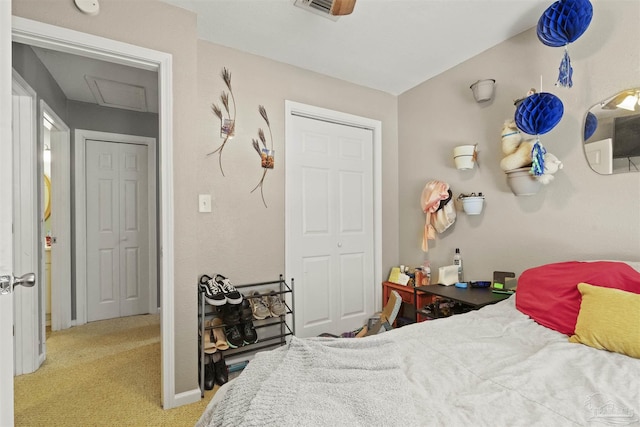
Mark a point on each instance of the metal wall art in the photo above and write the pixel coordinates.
(266, 153)
(227, 118)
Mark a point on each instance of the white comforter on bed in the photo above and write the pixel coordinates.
(491, 367)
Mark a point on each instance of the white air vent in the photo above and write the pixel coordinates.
(331, 9)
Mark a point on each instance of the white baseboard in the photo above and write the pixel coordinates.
(187, 397)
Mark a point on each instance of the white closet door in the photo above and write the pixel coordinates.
(331, 225)
(117, 240)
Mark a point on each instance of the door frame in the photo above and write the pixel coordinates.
(80, 137)
(62, 39)
(61, 224)
(298, 109)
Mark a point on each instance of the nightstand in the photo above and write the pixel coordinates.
(471, 298)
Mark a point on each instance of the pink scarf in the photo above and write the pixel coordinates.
(432, 194)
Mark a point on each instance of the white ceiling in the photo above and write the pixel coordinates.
(103, 83)
(389, 45)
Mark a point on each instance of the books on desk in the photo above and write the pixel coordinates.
(503, 291)
(397, 277)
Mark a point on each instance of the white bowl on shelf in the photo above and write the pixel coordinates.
(472, 205)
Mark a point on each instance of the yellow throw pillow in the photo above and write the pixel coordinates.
(609, 319)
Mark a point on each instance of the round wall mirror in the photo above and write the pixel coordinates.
(612, 133)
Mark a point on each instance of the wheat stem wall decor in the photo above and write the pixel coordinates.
(228, 123)
(266, 154)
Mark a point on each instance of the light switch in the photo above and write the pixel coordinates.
(204, 203)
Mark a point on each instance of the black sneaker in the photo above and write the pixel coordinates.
(233, 328)
(213, 294)
(234, 337)
(249, 334)
(230, 292)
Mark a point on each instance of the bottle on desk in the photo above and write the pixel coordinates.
(419, 276)
(426, 270)
(457, 260)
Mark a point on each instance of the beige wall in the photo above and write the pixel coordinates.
(580, 215)
(241, 238)
(245, 240)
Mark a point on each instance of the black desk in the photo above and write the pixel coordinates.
(475, 298)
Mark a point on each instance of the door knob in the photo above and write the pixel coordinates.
(8, 282)
(339, 245)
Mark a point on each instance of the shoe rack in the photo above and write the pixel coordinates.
(272, 331)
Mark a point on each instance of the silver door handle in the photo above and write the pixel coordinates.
(8, 282)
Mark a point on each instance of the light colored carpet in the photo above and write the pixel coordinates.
(103, 373)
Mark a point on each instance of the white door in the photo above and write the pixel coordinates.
(330, 225)
(117, 230)
(600, 156)
(6, 214)
(29, 345)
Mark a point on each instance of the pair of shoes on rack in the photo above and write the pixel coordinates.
(215, 338)
(215, 371)
(219, 291)
(239, 327)
(209, 343)
(264, 306)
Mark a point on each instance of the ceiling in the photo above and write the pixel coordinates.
(389, 45)
(103, 83)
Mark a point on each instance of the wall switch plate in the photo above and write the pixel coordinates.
(204, 203)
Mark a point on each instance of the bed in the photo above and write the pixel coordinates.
(496, 366)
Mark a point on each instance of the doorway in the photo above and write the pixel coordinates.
(57, 38)
(55, 233)
(115, 189)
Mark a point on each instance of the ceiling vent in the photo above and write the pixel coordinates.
(332, 9)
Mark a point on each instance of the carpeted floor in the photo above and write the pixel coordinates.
(103, 373)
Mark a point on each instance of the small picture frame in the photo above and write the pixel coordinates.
(227, 129)
(267, 158)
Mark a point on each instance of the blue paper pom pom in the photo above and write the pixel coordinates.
(590, 125)
(564, 21)
(539, 113)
